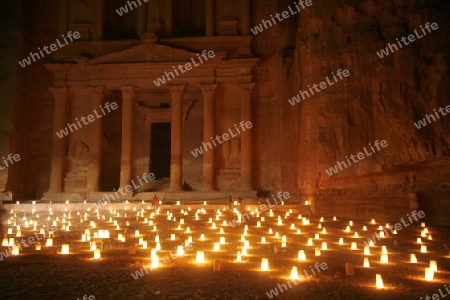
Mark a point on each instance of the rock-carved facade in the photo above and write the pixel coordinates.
(124, 144)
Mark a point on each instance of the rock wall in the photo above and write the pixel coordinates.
(380, 100)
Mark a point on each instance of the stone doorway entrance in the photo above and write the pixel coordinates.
(160, 150)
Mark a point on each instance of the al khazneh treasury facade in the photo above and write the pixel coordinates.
(156, 126)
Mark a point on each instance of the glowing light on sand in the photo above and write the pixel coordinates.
(264, 264)
(239, 257)
(15, 250)
(154, 261)
(200, 258)
(317, 252)
(366, 262)
(294, 273)
(65, 249)
(429, 274)
(433, 265)
(379, 281)
(97, 254)
(301, 255)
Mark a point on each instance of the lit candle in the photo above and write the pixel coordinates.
(366, 250)
(423, 249)
(15, 250)
(155, 261)
(301, 255)
(264, 264)
(433, 265)
(180, 250)
(384, 259)
(239, 257)
(65, 249)
(200, 258)
(379, 281)
(341, 241)
(429, 274)
(38, 246)
(324, 246)
(317, 252)
(366, 262)
(354, 246)
(384, 250)
(294, 273)
(413, 259)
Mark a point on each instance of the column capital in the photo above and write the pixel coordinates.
(129, 91)
(58, 91)
(208, 88)
(177, 90)
(246, 87)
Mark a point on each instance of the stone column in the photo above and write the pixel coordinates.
(141, 19)
(153, 17)
(63, 26)
(97, 31)
(128, 96)
(245, 17)
(208, 91)
(246, 91)
(209, 19)
(95, 141)
(58, 146)
(168, 26)
(176, 161)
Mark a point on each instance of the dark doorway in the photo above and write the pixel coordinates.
(160, 150)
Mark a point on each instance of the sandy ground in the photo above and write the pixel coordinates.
(46, 274)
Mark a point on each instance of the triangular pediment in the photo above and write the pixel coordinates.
(148, 51)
